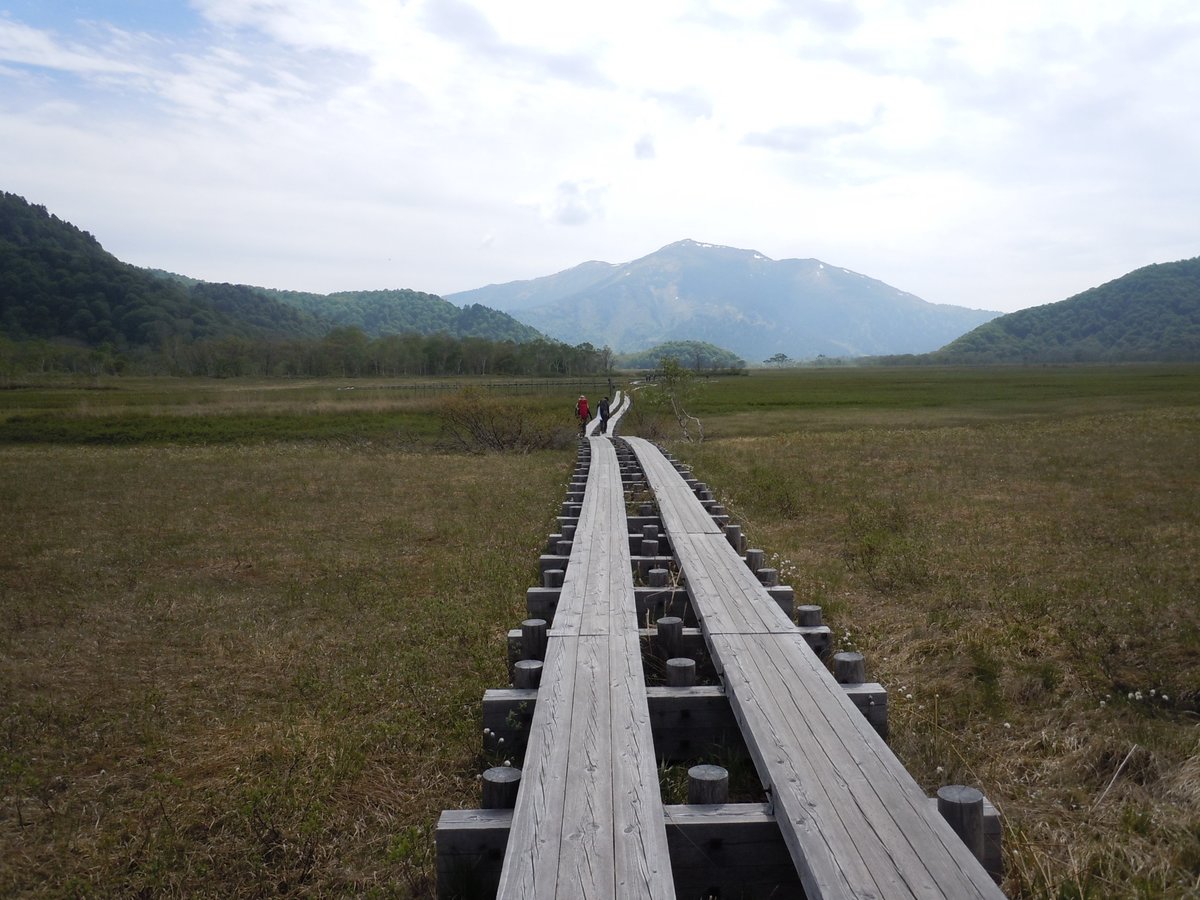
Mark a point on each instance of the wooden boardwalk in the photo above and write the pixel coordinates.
(589, 815)
(618, 408)
(844, 819)
(856, 823)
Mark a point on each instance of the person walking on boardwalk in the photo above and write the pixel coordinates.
(582, 411)
(603, 412)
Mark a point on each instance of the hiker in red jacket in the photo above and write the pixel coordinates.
(581, 410)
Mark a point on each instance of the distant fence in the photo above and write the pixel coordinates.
(529, 386)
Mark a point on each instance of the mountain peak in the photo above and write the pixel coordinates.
(689, 244)
(737, 299)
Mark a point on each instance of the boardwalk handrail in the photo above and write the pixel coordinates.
(856, 823)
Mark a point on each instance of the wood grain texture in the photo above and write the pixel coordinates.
(855, 822)
(589, 817)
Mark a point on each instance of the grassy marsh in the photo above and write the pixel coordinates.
(250, 670)
(248, 659)
(1021, 570)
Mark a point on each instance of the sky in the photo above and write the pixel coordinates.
(972, 152)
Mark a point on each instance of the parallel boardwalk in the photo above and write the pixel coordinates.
(589, 817)
(856, 823)
(618, 408)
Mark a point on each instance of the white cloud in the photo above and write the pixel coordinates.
(576, 203)
(961, 150)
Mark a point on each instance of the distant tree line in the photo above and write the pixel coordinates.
(698, 356)
(344, 352)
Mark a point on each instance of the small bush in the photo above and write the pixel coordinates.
(475, 423)
(886, 543)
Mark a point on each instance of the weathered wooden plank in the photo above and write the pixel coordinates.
(681, 512)
(716, 571)
(588, 821)
(827, 831)
(735, 849)
(586, 856)
(686, 723)
(470, 851)
(641, 850)
(531, 860)
(855, 822)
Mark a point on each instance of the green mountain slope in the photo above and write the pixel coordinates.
(57, 283)
(1150, 315)
(399, 311)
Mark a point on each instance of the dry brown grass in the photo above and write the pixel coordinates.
(246, 672)
(255, 669)
(1027, 590)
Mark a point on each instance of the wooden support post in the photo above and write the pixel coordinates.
(553, 561)
(646, 509)
(541, 602)
(768, 576)
(649, 548)
(755, 559)
(553, 578)
(564, 548)
(670, 636)
(733, 850)
(733, 534)
(708, 785)
(785, 597)
(658, 577)
(681, 672)
(818, 636)
(871, 700)
(500, 786)
(849, 667)
(962, 807)
(650, 532)
(808, 616)
(527, 673)
(533, 638)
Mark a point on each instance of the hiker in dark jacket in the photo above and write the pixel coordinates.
(602, 411)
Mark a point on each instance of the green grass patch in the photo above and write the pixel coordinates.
(229, 428)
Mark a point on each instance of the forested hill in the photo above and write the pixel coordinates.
(1150, 315)
(57, 282)
(697, 355)
(392, 312)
